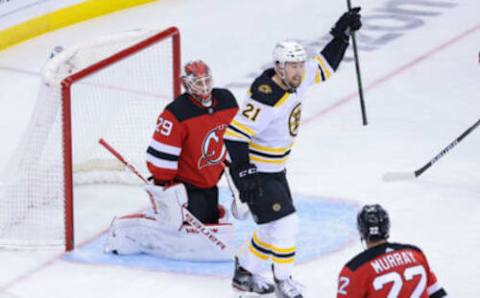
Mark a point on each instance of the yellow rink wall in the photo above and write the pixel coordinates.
(88, 9)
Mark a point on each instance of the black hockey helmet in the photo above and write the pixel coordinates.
(373, 223)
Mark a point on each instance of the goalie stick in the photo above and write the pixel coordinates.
(189, 217)
(118, 156)
(396, 176)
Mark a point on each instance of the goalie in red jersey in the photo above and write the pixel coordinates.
(386, 269)
(185, 158)
(187, 146)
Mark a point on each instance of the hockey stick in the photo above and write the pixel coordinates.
(189, 217)
(239, 209)
(117, 155)
(357, 69)
(396, 176)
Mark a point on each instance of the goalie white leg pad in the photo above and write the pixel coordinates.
(143, 233)
(196, 247)
(123, 235)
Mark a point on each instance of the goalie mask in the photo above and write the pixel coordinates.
(373, 223)
(197, 81)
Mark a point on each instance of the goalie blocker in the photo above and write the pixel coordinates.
(168, 233)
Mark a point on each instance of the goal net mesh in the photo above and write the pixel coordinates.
(115, 100)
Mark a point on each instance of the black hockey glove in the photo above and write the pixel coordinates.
(348, 22)
(246, 180)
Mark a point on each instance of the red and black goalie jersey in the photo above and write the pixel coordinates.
(187, 145)
(389, 270)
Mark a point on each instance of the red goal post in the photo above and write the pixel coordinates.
(113, 87)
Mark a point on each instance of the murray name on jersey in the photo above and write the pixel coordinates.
(389, 270)
(269, 119)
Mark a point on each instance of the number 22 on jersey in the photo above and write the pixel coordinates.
(396, 280)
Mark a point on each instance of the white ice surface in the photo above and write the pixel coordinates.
(422, 90)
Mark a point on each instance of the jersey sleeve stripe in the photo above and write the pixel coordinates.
(322, 74)
(269, 155)
(169, 149)
(248, 131)
(271, 150)
(238, 131)
(231, 135)
(433, 288)
(436, 290)
(439, 294)
(161, 163)
(323, 67)
(161, 155)
(282, 100)
(319, 77)
(267, 160)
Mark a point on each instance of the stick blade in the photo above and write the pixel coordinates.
(398, 176)
(239, 210)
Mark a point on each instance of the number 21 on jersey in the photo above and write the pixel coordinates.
(251, 112)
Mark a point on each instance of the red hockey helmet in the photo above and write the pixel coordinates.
(197, 80)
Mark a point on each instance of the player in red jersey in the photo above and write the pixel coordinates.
(187, 146)
(185, 158)
(386, 269)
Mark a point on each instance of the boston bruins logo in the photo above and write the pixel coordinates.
(277, 207)
(264, 88)
(294, 120)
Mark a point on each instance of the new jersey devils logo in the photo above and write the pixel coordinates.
(213, 150)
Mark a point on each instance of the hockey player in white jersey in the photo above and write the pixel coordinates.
(259, 140)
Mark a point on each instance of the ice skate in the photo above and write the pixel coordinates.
(288, 288)
(246, 284)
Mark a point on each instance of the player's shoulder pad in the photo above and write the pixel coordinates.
(398, 246)
(225, 99)
(265, 91)
(366, 256)
(360, 259)
(183, 109)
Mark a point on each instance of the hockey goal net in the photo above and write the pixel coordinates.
(114, 88)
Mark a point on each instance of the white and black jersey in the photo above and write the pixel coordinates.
(269, 119)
